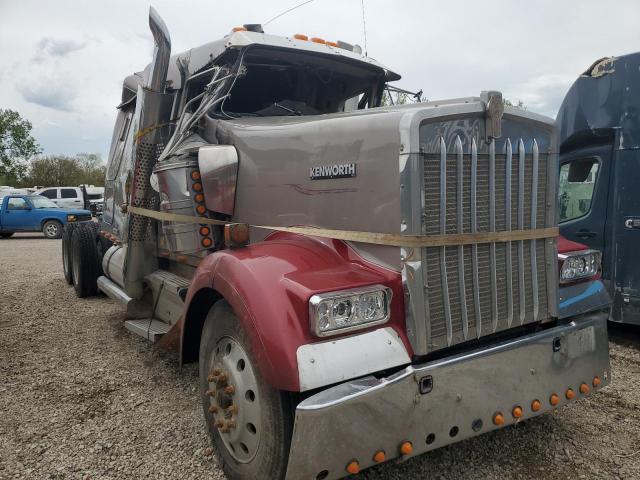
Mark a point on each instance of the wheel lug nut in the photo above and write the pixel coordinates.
(213, 409)
(219, 424)
(229, 390)
(216, 371)
(232, 409)
(230, 424)
(210, 393)
(222, 378)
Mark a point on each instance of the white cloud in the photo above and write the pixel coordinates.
(83, 50)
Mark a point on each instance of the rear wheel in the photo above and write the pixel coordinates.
(66, 252)
(250, 423)
(84, 261)
(52, 229)
(6, 234)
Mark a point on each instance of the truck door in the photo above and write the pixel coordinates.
(17, 216)
(584, 190)
(51, 194)
(71, 198)
(625, 224)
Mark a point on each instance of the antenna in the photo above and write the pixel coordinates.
(364, 29)
(287, 11)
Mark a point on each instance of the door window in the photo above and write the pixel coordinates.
(68, 193)
(576, 187)
(17, 204)
(51, 193)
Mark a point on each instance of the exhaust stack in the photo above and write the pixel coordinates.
(161, 53)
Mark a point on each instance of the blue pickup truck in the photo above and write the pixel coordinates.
(35, 213)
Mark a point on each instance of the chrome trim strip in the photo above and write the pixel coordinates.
(507, 209)
(534, 204)
(492, 228)
(460, 213)
(474, 229)
(521, 159)
(443, 250)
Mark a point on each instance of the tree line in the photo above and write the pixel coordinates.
(22, 165)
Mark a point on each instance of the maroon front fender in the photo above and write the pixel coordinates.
(269, 284)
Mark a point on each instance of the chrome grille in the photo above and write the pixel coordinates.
(479, 289)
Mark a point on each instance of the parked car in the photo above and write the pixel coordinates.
(35, 213)
(67, 197)
(96, 199)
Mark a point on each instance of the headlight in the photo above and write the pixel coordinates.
(578, 265)
(338, 312)
(71, 218)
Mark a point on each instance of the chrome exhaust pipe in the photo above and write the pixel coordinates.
(161, 53)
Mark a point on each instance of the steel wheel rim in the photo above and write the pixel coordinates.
(234, 401)
(52, 230)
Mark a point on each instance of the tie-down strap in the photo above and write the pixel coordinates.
(390, 239)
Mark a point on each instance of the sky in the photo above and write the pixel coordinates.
(62, 62)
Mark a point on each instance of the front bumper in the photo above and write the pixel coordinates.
(459, 399)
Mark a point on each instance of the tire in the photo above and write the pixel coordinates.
(52, 229)
(66, 252)
(258, 446)
(6, 234)
(84, 261)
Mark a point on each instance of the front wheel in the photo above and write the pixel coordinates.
(250, 423)
(52, 229)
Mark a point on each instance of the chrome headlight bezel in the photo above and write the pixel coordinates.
(72, 217)
(357, 322)
(592, 265)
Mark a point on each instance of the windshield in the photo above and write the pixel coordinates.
(39, 201)
(94, 196)
(284, 82)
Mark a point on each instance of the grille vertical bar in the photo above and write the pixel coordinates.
(521, 158)
(460, 220)
(534, 204)
(443, 250)
(492, 228)
(507, 222)
(474, 229)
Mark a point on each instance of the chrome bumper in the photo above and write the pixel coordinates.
(445, 401)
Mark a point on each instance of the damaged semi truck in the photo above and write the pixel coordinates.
(358, 283)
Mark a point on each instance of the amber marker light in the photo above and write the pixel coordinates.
(596, 382)
(201, 209)
(536, 405)
(353, 467)
(331, 44)
(318, 40)
(570, 394)
(239, 29)
(195, 175)
(554, 399)
(199, 198)
(406, 448)
(197, 186)
(584, 388)
(379, 456)
(300, 36)
(517, 412)
(204, 231)
(236, 234)
(498, 419)
(206, 242)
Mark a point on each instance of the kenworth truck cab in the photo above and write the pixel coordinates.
(358, 283)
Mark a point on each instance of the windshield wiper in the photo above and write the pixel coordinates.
(290, 110)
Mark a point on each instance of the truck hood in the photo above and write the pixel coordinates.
(65, 211)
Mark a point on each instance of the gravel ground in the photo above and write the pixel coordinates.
(82, 398)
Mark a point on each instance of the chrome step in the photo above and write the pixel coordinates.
(148, 328)
(169, 291)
